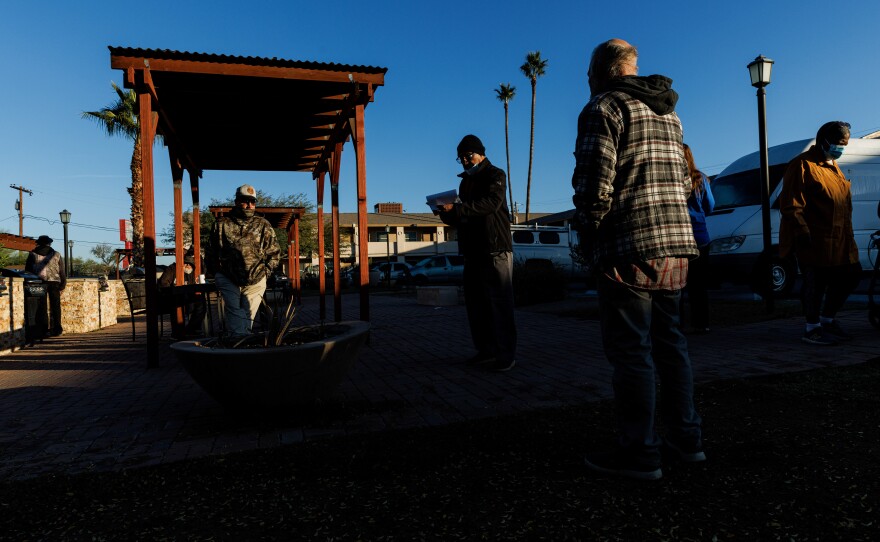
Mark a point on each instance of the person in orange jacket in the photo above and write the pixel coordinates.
(816, 226)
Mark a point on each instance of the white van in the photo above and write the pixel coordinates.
(736, 228)
(543, 245)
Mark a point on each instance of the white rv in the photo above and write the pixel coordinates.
(736, 226)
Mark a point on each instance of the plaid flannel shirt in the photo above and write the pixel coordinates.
(630, 187)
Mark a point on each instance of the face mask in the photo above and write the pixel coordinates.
(834, 151)
(187, 270)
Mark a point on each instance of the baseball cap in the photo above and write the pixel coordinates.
(246, 191)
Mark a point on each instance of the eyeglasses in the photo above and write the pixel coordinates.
(247, 203)
(464, 157)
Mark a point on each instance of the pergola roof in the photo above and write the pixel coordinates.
(250, 113)
(15, 242)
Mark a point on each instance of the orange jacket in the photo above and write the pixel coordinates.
(816, 204)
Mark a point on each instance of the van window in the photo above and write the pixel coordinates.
(744, 188)
(548, 238)
(456, 260)
(523, 237)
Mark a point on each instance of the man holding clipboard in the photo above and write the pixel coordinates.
(482, 220)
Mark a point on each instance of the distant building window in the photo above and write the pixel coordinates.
(411, 235)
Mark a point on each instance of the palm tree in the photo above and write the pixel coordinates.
(533, 68)
(121, 118)
(505, 94)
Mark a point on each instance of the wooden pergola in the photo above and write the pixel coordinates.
(219, 112)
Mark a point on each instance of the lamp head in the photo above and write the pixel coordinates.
(759, 71)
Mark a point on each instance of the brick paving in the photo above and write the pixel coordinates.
(88, 402)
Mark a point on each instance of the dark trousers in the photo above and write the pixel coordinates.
(826, 289)
(488, 296)
(641, 334)
(53, 292)
(698, 289)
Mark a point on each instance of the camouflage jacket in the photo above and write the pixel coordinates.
(243, 249)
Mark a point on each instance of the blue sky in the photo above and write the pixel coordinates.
(444, 61)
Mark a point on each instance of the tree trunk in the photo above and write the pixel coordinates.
(136, 191)
(531, 152)
(507, 149)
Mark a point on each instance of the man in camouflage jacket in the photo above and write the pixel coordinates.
(242, 253)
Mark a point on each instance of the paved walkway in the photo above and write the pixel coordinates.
(88, 402)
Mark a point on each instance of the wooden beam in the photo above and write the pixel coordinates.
(122, 62)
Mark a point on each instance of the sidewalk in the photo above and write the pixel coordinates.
(88, 402)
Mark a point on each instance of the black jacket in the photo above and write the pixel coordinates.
(482, 218)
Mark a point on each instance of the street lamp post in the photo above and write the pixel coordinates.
(759, 73)
(388, 251)
(70, 253)
(65, 219)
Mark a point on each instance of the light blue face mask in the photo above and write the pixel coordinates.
(834, 151)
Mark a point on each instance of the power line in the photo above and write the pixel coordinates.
(87, 226)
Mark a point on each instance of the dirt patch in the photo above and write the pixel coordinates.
(792, 457)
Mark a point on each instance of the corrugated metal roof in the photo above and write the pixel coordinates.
(169, 54)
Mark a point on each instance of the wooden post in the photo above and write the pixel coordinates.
(148, 121)
(177, 180)
(334, 217)
(322, 302)
(363, 239)
(196, 223)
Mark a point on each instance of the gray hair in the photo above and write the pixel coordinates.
(833, 131)
(612, 56)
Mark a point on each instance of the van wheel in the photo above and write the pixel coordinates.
(784, 275)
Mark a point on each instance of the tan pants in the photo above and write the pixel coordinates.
(241, 303)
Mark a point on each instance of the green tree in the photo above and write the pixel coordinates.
(121, 119)
(505, 93)
(533, 68)
(106, 255)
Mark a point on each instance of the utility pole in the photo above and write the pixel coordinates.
(19, 205)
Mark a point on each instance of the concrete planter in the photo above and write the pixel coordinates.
(275, 377)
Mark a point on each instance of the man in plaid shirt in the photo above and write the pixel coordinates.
(630, 193)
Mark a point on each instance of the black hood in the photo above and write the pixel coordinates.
(43, 250)
(655, 91)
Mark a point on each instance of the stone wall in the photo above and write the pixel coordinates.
(12, 315)
(84, 308)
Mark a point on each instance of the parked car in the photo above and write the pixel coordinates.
(400, 271)
(437, 269)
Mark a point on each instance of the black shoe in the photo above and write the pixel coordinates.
(818, 337)
(834, 331)
(479, 359)
(500, 365)
(687, 454)
(621, 464)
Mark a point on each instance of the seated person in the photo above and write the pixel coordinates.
(195, 304)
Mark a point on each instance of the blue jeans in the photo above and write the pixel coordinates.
(641, 334)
